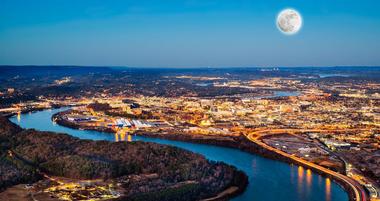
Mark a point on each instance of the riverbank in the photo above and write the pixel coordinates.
(238, 187)
(182, 173)
(28, 110)
(241, 143)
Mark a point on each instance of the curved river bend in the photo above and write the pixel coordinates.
(269, 180)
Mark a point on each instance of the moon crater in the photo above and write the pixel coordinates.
(289, 21)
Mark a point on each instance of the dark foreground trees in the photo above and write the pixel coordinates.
(178, 174)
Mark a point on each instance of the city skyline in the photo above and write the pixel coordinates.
(323, 122)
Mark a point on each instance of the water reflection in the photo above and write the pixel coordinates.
(308, 178)
(265, 175)
(122, 135)
(116, 137)
(328, 189)
(300, 181)
(300, 174)
(292, 174)
(304, 181)
(19, 117)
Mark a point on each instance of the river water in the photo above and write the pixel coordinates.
(269, 180)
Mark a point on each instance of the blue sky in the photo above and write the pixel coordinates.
(187, 33)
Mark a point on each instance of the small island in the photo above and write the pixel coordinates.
(57, 166)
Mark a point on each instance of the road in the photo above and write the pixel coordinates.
(263, 132)
(359, 192)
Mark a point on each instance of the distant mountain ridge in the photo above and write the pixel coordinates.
(7, 71)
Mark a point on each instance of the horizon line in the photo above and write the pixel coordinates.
(204, 67)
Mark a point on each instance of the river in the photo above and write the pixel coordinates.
(269, 180)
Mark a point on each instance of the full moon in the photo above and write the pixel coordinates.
(289, 21)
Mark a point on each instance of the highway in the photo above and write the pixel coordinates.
(359, 192)
(263, 132)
